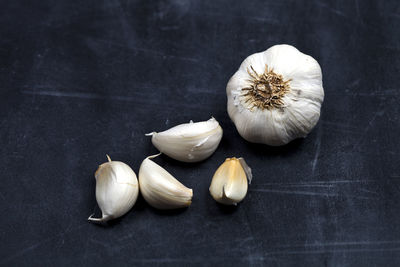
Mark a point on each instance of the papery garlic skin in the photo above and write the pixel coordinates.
(229, 183)
(262, 117)
(160, 189)
(189, 142)
(117, 190)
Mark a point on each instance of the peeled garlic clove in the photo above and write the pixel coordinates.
(117, 190)
(229, 183)
(160, 189)
(189, 142)
(275, 96)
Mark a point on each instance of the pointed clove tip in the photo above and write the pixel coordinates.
(104, 219)
(96, 220)
(154, 156)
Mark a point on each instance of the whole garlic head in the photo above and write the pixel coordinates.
(276, 96)
(189, 142)
(117, 190)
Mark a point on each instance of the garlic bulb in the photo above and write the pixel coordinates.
(160, 189)
(189, 142)
(229, 183)
(117, 190)
(276, 95)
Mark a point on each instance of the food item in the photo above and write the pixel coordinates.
(160, 189)
(276, 96)
(229, 183)
(117, 190)
(189, 142)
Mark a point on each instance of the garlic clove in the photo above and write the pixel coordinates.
(160, 189)
(189, 142)
(229, 183)
(117, 190)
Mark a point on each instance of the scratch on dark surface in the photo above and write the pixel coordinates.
(308, 185)
(322, 251)
(353, 84)
(37, 244)
(331, 9)
(357, 5)
(169, 28)
(311, 183)
(126, 27)
(338, 247)
(342, 243)
(85, 255)
(338, 124)
(136, 100)
(248, 223)
(380, 112)
(340, 127)
(368, 191)
(334, 130)
(388, 92)
(245, 240)
(104, 244)
(230, 16)
(39, 59)
(146, 50)
(306, 193)
(129, 34)
(236, 244)
(199, 259)
(317, 150)
(73, 94)
(165, 55)
(320, 188)
(164, 260)
(24, 251)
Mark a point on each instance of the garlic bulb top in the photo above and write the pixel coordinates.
(189, 142)
(117, 190)
(276, 95)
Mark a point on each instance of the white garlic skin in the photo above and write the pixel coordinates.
(160, 189)
(189, 142)
(229, 183)
(302, 104)
(117, 190)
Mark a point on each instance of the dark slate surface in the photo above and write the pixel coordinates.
(80, 79)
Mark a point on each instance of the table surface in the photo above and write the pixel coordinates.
(80, 79)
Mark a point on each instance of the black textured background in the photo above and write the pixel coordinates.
(80, 79)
